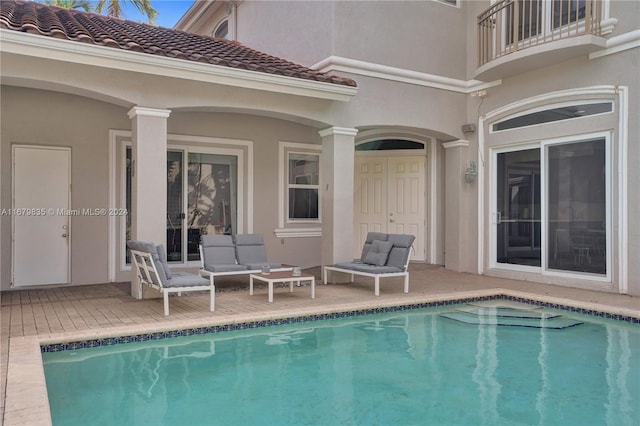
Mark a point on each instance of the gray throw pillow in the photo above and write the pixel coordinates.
(378, 253)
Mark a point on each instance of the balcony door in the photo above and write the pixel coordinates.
(526, 20)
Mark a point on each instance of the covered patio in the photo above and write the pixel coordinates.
(30, 318)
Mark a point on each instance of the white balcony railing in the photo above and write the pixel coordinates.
(509, 26)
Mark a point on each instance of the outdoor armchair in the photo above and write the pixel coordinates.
(383, 256)
(152, 270)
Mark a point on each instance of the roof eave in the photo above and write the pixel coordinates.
(192, 14)
(107, 57)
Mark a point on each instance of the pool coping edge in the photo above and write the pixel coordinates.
(27, 402)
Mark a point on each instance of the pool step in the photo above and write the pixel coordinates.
(510, 317)
(507, 312)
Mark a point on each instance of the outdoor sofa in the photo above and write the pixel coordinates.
(239, 254)
(383, 256)
(150, 261)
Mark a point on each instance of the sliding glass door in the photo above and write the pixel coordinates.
(175, 209)
(577, 206)
(551, 208)
(211, 198)
(202, 198)
(518, 207)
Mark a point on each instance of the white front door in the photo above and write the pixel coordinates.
(406, 200)
(41, 200)
(389, 197)
(370, 204)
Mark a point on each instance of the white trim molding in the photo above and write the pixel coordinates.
(50, 48)
(148, 112)
(626, 41)
(455, 144)
(548, 98)
(346, 131)
(623, 189)
(401, 75)
(298, 232)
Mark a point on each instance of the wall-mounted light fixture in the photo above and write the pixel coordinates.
(468, 128)
(471, 172)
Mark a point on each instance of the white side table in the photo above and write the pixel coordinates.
(282, 277)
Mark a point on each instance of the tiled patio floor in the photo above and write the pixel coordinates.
(31, 317)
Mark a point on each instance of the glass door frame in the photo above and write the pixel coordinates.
(544, 161)
(239, 220)
(543, 146)
(495, 216)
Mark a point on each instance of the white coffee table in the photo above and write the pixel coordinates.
(282, 277)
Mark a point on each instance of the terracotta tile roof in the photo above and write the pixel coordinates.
(91, 28)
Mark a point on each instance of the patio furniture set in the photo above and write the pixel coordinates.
(383, 255)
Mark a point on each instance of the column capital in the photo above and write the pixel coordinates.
(346, 131)
(460, 143)
(148, 112)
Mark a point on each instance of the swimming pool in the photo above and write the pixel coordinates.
(494, 362)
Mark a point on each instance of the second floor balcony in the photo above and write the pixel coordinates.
(519, 35)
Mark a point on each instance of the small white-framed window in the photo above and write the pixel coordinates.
(453, 3)
(300, 201)
(222, 30)
(303, 187)
(547, 114)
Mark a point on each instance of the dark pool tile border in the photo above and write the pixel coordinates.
(67, 346)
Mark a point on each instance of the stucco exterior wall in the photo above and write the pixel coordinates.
(300, 31)
(392, 33)
(415, 35)
(48, 118)
(386, 103)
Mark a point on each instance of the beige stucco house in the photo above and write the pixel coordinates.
(504, 135)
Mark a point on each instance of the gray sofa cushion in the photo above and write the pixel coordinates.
(376, 269)
(224, 268)
(248, 240)
(372, 269)
(185, 279)
(401, 250)
(378, 253)
(371, 237)
(218, 250)
(347, 265)
(147, 247)
(258, 266)
(250, 251)
(162, 258)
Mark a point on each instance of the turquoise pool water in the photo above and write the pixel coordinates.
(473, 364)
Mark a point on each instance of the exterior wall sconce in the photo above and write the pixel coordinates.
(471, 172)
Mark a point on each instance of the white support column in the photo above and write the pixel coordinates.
(457, 207)
(149, 179)
(337, 165)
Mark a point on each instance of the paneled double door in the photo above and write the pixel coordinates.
(390, 197)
